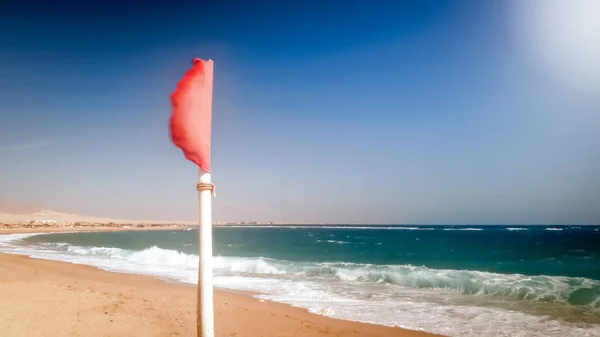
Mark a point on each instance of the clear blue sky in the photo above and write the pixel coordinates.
(330, 111)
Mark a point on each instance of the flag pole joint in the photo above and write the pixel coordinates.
(207, 187)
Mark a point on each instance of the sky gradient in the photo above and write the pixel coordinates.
(341, 111)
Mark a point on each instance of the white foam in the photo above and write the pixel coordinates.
(415, 228)
(463, 229)
(334, 241)
(6, 239)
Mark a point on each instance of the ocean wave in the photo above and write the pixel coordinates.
(375, 227)
(333, 241)
(517, 229)
(463, 229)
(569, 290)
(8, 239)
(415, 228)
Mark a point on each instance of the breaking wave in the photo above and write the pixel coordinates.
(569, 290)
(463, 229)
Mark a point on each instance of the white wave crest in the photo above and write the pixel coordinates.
(568, 290)
(155, 256)
(463, 229)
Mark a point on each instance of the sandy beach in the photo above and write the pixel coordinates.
(48, 298)
(87, 229)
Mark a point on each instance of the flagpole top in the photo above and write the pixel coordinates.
(197, 59)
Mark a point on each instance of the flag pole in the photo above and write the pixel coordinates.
(190, 130)
(205, 304)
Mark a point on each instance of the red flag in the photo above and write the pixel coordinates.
(192, 111)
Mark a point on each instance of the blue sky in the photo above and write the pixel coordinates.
(337, 111)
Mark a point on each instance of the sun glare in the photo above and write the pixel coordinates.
(562, 37)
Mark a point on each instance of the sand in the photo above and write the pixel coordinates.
(87, 229)
(69, 218)
(49, 298)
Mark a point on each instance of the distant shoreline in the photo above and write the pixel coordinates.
(39, 229)
(34, 227)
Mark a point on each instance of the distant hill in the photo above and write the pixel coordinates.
(15, 207)
(21, 212)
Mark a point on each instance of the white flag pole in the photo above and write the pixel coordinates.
(205, 310)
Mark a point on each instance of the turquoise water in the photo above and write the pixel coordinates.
(454, 280)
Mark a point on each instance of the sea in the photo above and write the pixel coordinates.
(452, 280)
